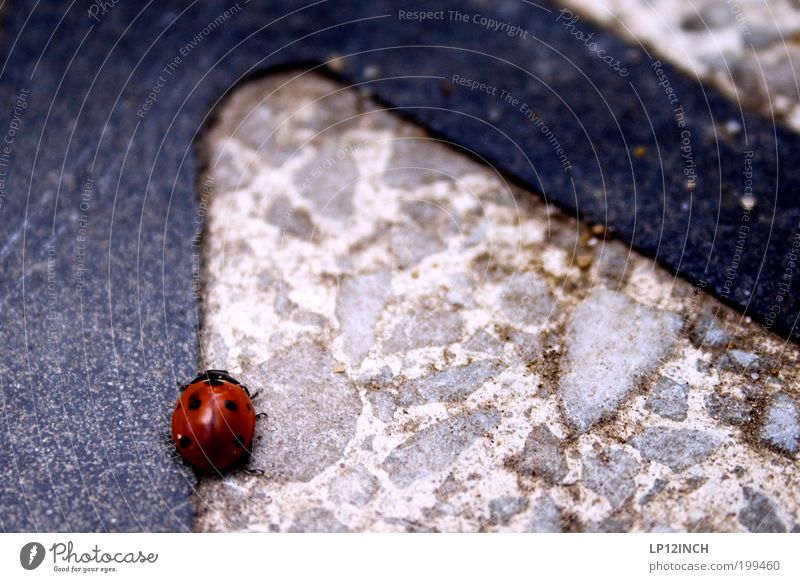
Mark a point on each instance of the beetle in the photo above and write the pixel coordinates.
(214, 421)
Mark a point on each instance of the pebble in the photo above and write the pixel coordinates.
(669, 399)
(611, 474)
(542, 456)
(781, 426)
(678, 448)
(434, 448)
(758, 513)
(611, 342)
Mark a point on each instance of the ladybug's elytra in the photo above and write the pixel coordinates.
(214, 421)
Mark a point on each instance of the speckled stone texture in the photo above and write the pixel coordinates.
(436, 350)
(747, 48)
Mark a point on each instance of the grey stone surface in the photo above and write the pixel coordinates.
(542, 456)
(451, 385)
(527, 346)
(781, 425)
(545, 517)
(436, 447)
(758, 514)
(740, 361)
(708, 331)
(669, 399)
(611, 474)
(728, 408)
(311, 411)
(742, 47)
(611, 342)
(361, 300)
(488, 383)
(409, 245)
(317, 520)
(416, 161)
(658, 487)
(613, 524)
(526, 300)
(294, 221)
(356, 486)
(328, 181)
(502, 509)
(376, 378)
(383, 404)
(612, 263)
(677, 448)
(482, 341)
(430, 327)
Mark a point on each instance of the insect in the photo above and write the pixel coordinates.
(214, 421)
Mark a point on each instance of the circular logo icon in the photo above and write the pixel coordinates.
(31, 555)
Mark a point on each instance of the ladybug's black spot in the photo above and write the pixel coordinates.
(231, 405)
(194, 403)
(238, 441)
(185, 441)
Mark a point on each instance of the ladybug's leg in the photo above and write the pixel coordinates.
(182, 387)
(261, 415)
(256, 472)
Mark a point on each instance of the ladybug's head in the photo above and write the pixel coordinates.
(217, 376)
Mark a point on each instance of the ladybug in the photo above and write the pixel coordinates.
(214, 421)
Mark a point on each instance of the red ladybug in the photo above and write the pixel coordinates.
(214, 421)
